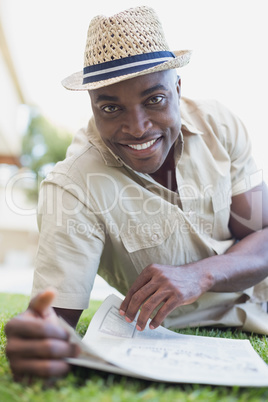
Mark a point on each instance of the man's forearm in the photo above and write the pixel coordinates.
(70, 316)
(242, 266)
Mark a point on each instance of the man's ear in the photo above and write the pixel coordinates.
(179, 86)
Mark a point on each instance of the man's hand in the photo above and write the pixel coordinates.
(36, 343)
(157, 284)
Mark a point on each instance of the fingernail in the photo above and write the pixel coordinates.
(121, 312)
(151, 326)
(138, 327)
(128, 319)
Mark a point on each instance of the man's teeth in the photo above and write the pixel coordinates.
(142, 146)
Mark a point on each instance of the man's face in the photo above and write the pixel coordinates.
(139, 119)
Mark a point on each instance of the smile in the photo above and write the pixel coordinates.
(145, 145)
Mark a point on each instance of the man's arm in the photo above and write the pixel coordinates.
(249, 224)
(242, 266)
(249, 212)
(70, 316)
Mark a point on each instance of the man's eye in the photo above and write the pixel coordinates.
(155, 99)
(110, 108)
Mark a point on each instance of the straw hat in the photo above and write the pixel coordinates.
(124, 46)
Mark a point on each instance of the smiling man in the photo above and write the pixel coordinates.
(159, 195)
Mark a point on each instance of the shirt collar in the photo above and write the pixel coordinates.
(188, 117)
(109, 157)
(189, 128)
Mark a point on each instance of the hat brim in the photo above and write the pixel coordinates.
(75, 81)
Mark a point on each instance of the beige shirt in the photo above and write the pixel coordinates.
(98, 215)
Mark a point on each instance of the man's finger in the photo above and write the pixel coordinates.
(42, 302)
(138, 299)
(40, 368)
(44, 349)
(34, 327)
(140, 282)
(162, 313)
(148, 308)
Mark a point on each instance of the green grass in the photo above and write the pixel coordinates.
(89, 385)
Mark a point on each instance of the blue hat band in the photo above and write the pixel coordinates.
(126, 65)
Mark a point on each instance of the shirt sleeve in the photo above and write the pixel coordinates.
(70, 247)
(244, 172)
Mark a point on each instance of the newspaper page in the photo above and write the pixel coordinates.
(111, 344)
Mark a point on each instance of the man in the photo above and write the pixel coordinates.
(158, 195)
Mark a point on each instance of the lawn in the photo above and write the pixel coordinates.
(84, 385)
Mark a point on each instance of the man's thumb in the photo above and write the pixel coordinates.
(42, 302)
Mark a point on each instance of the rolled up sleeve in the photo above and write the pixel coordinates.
(70, 247)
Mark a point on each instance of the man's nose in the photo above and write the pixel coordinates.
(136, 123)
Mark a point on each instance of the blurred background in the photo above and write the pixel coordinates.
(42, 42)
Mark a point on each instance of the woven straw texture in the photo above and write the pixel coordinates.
(128, 33)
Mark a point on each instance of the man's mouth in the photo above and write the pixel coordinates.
(145, 145)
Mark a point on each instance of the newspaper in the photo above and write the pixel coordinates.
(111, 344)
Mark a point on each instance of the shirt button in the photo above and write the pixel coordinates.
(154, 237)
